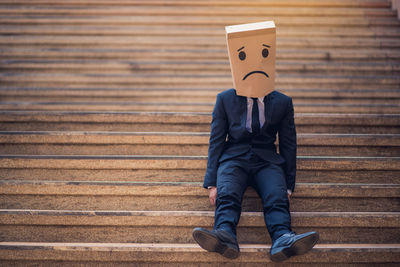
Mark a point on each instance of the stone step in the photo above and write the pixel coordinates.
(140, 196)
(222, 3)
(181, 121)
(311, 85)
(177, 226)
(188, 10)
(105, 67)
(181, 99)
(280, 21)
(330, 54)
(40, 79)
(183, 30)
(184, 162)
(192, 42)
(124, 254)
(327, 106)
(113, 198)
(186, 95)
(139, 143)
(188, 175)
(79, 100)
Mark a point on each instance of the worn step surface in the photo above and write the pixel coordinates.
(185, 168)
(193, 122)
(185, 96)
(103, 67)
(188, 95)
(331, 55)
(40, 79)
(187, 42)
(143, 19)
(251, 255)
(330, 106)
(113, 57)
(187, 175)
(79, 195)
(190, 144)
(152, 162)
(222, 3)
(188, 10)
(220, 80)
(173, 226)
(184, 30)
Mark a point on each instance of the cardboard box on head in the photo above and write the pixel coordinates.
(252, 50)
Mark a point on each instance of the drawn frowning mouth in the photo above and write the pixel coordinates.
(256, 71)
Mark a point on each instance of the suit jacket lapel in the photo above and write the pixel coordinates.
(268, 109)
(243, 109)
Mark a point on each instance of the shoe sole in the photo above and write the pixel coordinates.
(299, 247)
(211, 243)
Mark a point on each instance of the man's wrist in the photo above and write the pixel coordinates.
(289, 191)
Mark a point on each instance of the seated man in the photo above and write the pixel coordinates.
(242, 150)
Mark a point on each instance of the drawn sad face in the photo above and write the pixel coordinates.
(253, 64)
(264, 54)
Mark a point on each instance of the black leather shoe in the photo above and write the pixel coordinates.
(291, 244)
(217, 241)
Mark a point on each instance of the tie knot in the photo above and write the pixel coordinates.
(254, 98)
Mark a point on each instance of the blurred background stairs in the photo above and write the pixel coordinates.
(105, 119)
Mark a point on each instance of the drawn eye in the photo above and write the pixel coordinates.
(265, 52)
(242, 55)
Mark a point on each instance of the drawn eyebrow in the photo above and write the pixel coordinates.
(240, 48)
(266, 45)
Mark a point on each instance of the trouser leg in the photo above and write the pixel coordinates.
(270, 184)
(231, 185)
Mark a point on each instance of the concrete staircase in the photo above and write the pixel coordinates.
(105, 118)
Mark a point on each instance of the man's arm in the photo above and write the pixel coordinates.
(288, 145)
(219, 130)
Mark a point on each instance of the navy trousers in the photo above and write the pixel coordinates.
(234, 176)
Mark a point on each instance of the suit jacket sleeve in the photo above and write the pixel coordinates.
(288, 145)
(219, 130)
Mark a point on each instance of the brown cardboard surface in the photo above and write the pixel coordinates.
(252, 52)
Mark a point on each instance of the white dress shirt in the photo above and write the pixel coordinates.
(261, 115)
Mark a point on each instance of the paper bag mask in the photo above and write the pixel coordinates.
(252, 57)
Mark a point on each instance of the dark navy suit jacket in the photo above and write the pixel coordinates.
(229, 137)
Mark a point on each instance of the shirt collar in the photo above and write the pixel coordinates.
(260, 99)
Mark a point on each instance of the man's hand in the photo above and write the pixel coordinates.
(289, 194)
(212, 195)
